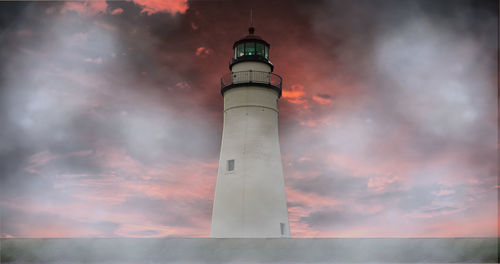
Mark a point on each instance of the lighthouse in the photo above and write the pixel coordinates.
(250, 198)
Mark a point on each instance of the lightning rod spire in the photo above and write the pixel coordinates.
(251, 29)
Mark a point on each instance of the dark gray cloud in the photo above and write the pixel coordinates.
(414, 85)
(426, 69)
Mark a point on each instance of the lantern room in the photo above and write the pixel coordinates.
(251, 48)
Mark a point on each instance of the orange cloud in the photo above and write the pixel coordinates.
(203, 51)
(92, 8)
(162, 6)
(295, 95)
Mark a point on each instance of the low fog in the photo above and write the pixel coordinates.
(111, 115)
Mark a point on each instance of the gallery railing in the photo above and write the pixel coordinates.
(259, 78)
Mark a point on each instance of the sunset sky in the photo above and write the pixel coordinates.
(111, 115)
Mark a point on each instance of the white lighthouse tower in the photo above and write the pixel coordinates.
(250, 196)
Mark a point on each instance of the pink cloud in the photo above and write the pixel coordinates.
(97, 60)
(161, 6)
(194, 26)
(117, 11)
(321, 100)
(444, 192)
(89, 8)
(49, 10)
(381, 183)
(40, 159)
(183, 86)
(123, 178)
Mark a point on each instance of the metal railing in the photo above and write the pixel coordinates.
(251, 77)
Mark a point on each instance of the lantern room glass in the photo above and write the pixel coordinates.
(241, 50)
(251, 49)
(260, 49)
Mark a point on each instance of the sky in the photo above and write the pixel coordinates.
(111, 115)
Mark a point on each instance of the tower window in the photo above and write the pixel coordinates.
(282, 227)
(230, 165)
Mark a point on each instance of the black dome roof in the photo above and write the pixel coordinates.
(251, 37)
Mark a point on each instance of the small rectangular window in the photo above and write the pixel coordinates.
(230, 165)
(267, 52)
(282, 227)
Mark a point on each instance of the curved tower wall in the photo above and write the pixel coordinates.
(250, 198)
